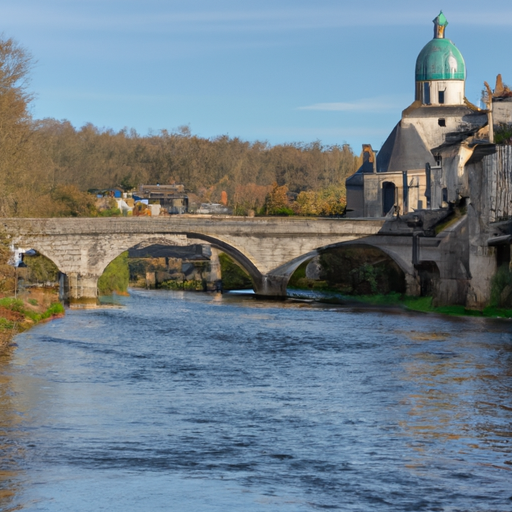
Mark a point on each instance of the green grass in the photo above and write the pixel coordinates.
(5, 324)
(424, 305)
(13, 304)
(116, 276)
(420, 304)
(18, 306)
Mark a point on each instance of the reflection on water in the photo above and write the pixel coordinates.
(12, 453)
(182, 401)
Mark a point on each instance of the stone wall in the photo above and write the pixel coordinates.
(497, 171)
(490, 187)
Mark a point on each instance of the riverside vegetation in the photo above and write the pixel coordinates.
(368, 276)
(21, 310)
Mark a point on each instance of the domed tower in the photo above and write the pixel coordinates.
(440, 70)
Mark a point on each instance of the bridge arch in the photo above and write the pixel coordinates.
(193, 238)
(411, 276)
(405, 266)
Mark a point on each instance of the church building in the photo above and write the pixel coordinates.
(422, 163)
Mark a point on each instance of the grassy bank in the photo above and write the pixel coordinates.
(420, 304)
(424, 305)
(31, 308)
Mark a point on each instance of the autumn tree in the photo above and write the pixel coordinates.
(16, 149)
(277, 202)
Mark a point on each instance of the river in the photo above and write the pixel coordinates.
(182, 401)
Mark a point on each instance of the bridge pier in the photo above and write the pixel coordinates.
(270, 286)
(80, 291)
(412, 285)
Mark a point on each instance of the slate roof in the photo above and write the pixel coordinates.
(403, 150)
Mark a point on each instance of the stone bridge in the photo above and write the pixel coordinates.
(269, 249)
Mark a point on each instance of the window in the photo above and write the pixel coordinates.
(441, 97)
(426, 93)
(441, 122)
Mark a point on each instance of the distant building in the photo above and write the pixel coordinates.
(115, 192)
(214, 209)
(172, 198)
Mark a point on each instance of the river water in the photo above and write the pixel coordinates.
(195, 402)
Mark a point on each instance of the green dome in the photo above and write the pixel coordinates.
(440, 60)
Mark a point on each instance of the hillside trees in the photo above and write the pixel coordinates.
(47, 165)
(93, 158)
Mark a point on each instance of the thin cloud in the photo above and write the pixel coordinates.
(382, 104)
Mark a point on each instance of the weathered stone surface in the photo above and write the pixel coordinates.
(270, 249)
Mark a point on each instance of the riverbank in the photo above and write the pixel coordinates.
(420, 304)
(26, 310)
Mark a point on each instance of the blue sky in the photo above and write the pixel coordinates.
(281, 70)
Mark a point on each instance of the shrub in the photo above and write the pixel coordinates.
(116, 276)
(501, 287)
(233, 277)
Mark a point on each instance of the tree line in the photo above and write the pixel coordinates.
(47, 166)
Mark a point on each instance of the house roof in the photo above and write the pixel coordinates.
(404, 150)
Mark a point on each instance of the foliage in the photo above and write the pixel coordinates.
(69, 201)
(18, 169)
(116, 276)
(107, 207)
(45, 165)
(141, 210)
(277, 202)
(110, 212)
(366, 273)
(14, 313)
(503, 134)
(249, 198)
(92, 158)
(55, 309)
(299, 281)
(300, 273)
(6, 270)
(192, 284)
(361, 271)
(41, 269)
(12, 304)
(501, 288)
(233, 277)
(6, 324)
(126, 183)
(325, 202)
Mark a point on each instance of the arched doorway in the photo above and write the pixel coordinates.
(428, 273)
(388, 197)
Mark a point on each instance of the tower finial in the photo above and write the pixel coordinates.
(440, 24)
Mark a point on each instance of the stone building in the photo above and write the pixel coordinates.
(421, 164)
(171, 197)
(441, 179)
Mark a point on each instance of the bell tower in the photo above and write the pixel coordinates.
(440, 70)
